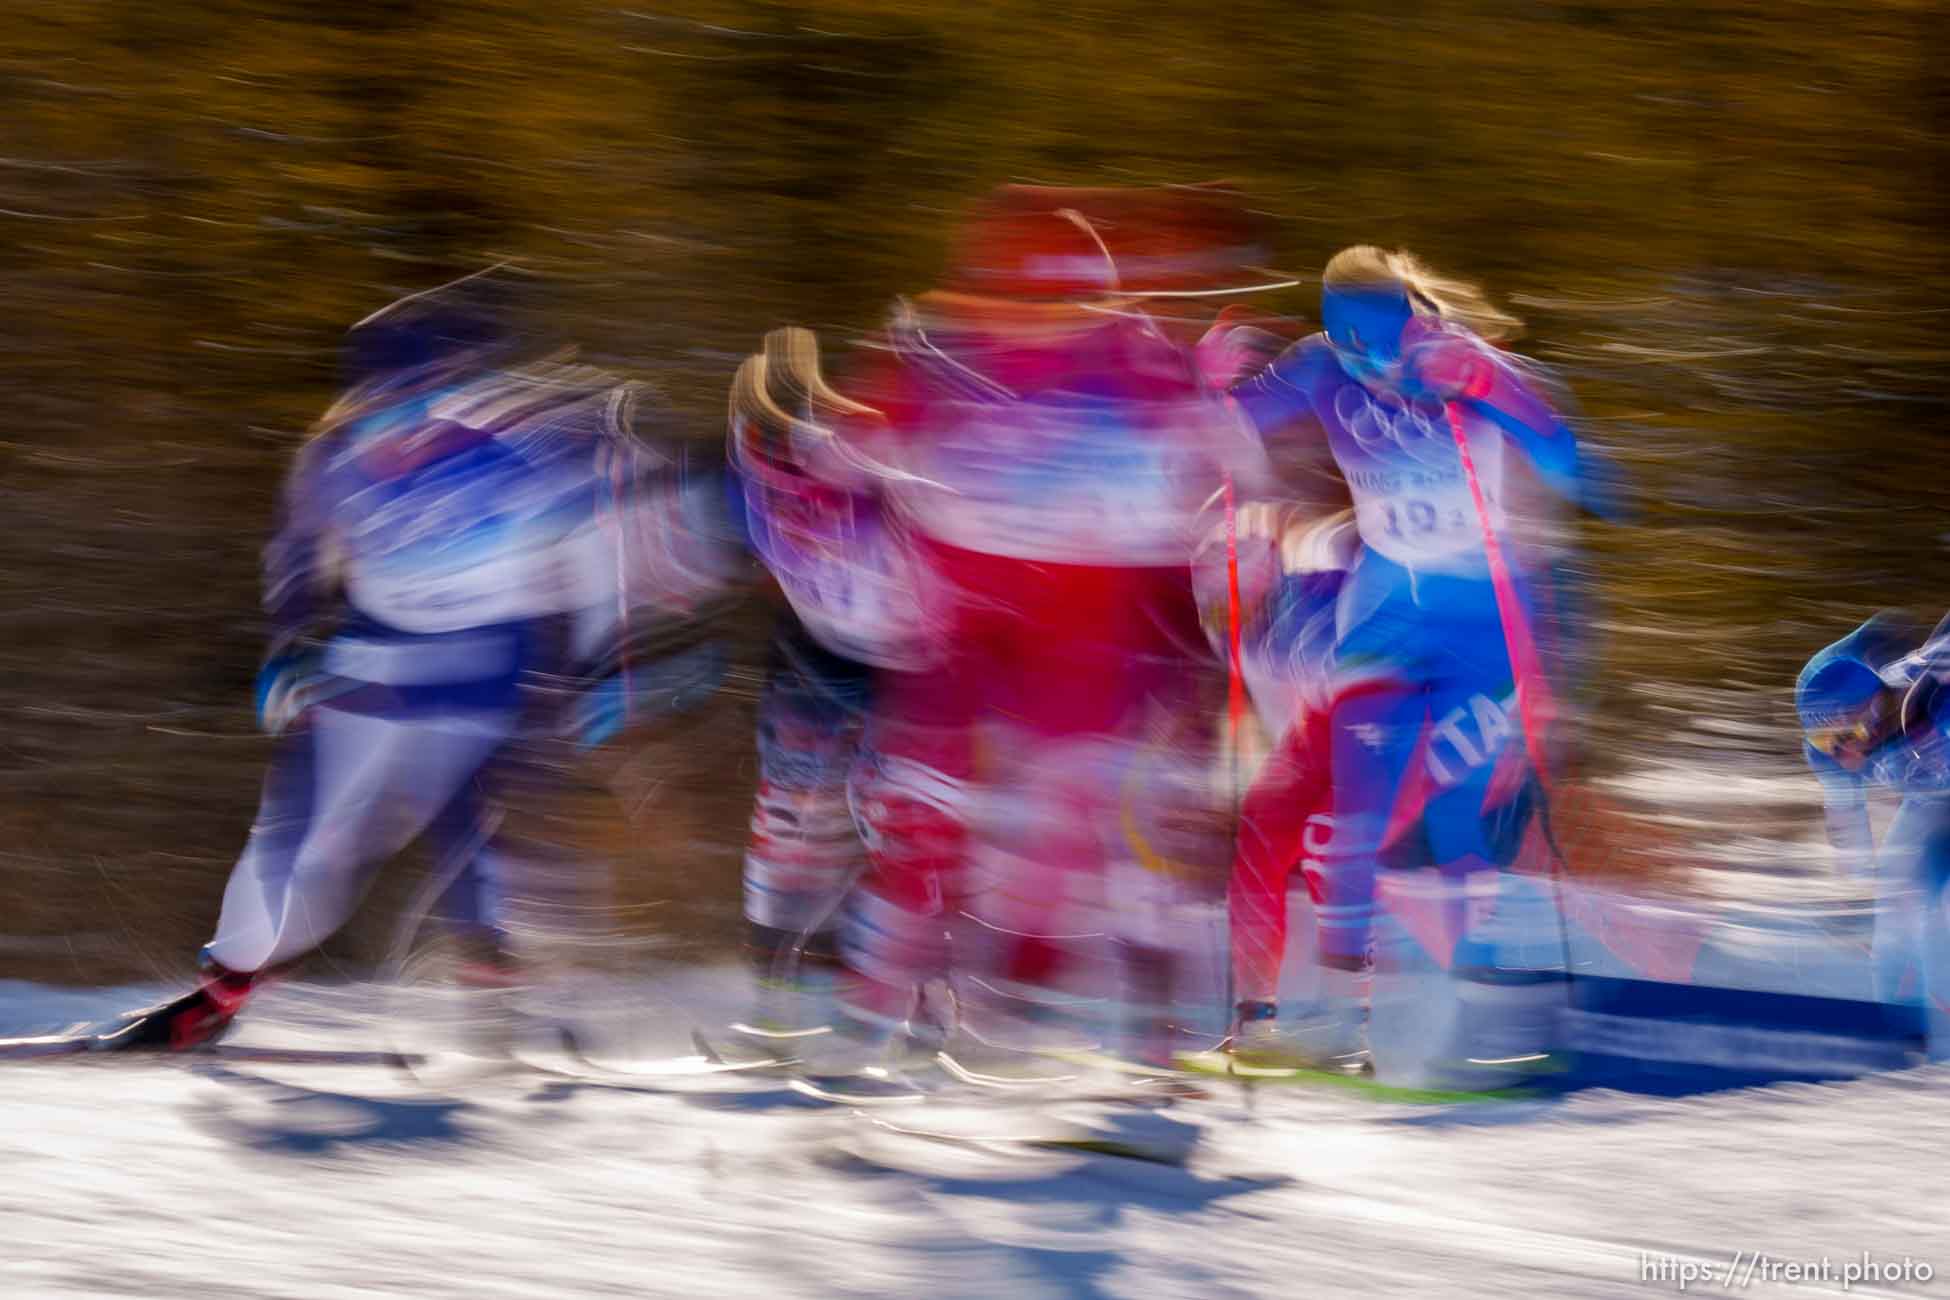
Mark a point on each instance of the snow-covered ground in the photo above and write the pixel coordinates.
(247, 1176)
(233, 1177)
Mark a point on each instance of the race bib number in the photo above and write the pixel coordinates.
(1412, 499)
(1420, 526)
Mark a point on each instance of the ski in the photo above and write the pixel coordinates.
(850, 1093)
(1138, 1080)
(705, 1061)
(66, 1042)
(1217, 1064)
(100, 1041)
(943, 1080)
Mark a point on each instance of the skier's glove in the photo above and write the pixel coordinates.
(599, 712)
(1233, 351)
(1447, 369)
(669, 685)
(288, 685)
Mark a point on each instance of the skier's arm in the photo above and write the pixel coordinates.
(662, 557)
(300, 578)
(1493, 386)
(1276, 399)
(1277, 405)
(1578, 475)
(669, 683)
(1235, 349)
(301, 591)
(1924, 677)
(1845, 807)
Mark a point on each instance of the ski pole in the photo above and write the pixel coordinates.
(1235, 707)
(1525, 670)
(1532, 693)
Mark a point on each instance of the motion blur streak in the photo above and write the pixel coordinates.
(1053, 588)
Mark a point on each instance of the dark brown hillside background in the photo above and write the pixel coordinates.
(1725, 222)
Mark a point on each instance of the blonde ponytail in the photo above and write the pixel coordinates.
(792, 359)
(1431, 293)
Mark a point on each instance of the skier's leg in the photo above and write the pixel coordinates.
(804, 852)
(1902, 863)
(1935, 955)
(1376, 745)
(285, 811)
(376, 784)
(476, 867)
(910, 795)
(1043, 946)
(1079, 681)
(1454, 1005)
(1168, 842)
(285, 814)
(341, 796)
(1287, 793)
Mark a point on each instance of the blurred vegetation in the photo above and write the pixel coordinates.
(1724, 221)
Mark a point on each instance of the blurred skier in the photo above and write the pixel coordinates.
(1043, 451)
(467, 551)
(1288, 571)
(1876, 715)
(1428, 734)
(824, 545)
(1268, 576)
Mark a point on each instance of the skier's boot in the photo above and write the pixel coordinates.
(887, 1044)
(489, 1021)
(1260, 1044)
(1329, 1039)
(194, 1020)
(798, 977)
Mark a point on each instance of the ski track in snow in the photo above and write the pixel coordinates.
(222, 1179)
